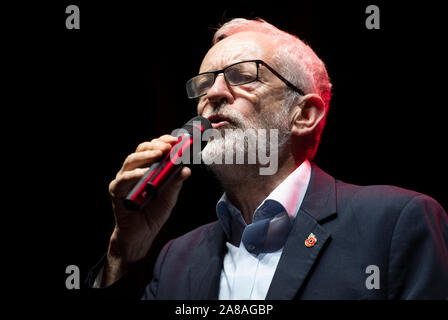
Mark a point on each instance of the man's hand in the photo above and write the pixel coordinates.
(135, 231)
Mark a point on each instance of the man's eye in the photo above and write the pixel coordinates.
(203, 84)
(237, 76)
(246, 76)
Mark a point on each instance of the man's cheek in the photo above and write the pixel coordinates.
(249, 93)
(200, 107)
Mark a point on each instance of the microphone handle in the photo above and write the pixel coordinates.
(141, 193)
(158, 176)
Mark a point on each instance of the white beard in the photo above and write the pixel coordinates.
(231, 140)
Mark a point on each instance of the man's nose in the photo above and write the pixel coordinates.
(220, 91)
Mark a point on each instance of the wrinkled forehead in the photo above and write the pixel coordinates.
(238, 47)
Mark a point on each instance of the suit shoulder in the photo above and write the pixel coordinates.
(382, 201)
(386, 195)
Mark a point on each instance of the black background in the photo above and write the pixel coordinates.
(99, 91)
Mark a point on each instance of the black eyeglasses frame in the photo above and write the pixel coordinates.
(258, 62)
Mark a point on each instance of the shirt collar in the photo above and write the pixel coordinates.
(291, 191)
(269, 227)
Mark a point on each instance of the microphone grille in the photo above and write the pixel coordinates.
(198, 122)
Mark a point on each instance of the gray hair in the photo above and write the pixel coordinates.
(295, 60)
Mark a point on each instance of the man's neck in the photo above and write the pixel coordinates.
(247, 189)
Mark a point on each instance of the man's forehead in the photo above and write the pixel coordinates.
(241, 46)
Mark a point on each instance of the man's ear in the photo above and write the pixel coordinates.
(307, 114)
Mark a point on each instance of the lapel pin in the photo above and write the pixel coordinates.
(311, 240)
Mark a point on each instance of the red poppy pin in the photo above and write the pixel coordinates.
(311, 240)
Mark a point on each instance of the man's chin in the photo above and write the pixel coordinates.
(213, 155)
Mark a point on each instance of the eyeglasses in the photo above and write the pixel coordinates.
(236, 74)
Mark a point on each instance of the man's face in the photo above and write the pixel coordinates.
(256, 105)
(260, 98)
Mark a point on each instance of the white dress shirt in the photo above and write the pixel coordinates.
(254, 251)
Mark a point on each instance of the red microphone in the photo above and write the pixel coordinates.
(159, 174)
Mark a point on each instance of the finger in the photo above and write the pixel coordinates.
(125, 181)
(155, 144)
(171, 192)
(181, 176)
(184, 173)
(140, 159)
(169, 139)
(132, 174)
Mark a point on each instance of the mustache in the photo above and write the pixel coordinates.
(234, 118)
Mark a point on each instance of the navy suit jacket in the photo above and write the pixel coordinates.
(401, 233)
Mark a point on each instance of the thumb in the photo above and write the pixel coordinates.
(181, 176)
(172, 191)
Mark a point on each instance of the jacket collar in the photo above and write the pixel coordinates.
(297, 259)
(320, 198)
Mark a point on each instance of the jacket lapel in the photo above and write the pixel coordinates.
(297, 259)
(205, 271)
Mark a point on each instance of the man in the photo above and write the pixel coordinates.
(297, 233)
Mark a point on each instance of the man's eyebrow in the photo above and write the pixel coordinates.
(214, 68)
(228, 63)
